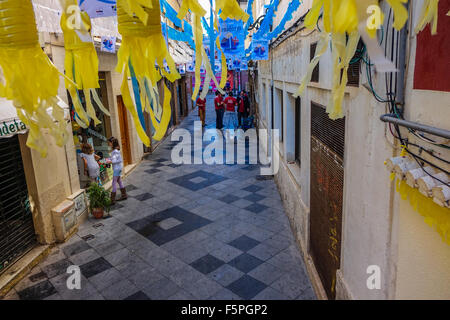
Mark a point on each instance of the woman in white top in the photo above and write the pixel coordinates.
(117, 164)
(91, 167)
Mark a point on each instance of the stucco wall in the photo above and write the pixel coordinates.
(378, 227)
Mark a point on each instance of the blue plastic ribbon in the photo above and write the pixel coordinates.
(170, 13)
(250, 20)
(137, 95)
(293, 6)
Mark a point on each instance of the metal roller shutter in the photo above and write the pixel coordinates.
(17, 234)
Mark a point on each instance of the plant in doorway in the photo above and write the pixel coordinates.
(99, 200)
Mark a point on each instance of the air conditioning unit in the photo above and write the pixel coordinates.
(64, 220)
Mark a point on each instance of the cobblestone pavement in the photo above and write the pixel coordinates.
(186, 232)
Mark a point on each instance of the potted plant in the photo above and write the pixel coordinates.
(99, 200)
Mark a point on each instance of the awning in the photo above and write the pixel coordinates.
(10, 124)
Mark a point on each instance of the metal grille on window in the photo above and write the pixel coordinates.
(327, 181)
(354, 66)
(17, 234)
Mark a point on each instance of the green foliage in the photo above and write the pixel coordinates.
(98, 197)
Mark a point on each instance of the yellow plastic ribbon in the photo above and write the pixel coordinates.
(30, 79)
(434, 215)
(342, 18)
(320, 50)
(81, 62)
(428, 14)
(231, 9)
(144, 50)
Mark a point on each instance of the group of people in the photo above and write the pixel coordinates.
(226, 107)
(92, 168)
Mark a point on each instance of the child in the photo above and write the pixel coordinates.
(91, 167)
(117, 164)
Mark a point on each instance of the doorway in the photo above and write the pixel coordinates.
(124, 131)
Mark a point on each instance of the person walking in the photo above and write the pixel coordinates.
(91, 167)
(219, 106)
(230, 119)
(117, 164)
(201, 104)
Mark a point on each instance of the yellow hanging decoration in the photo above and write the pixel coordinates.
(224, 75)
(343, 23)
(428, 14)
(231, 9)
(143, 46)
(434, 215)
(197, 12)
(81, 62)
(30, 79)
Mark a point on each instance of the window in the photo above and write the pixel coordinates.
(279, 112)
(263, 104)
(312, 53)
(272, 116)
(354, 66)
(297, 130)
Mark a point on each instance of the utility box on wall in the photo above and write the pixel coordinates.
(64, 219)
(79, 198)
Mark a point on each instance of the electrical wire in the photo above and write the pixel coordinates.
(391, 89)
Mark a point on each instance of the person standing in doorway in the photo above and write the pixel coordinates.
(218, 104)
(230, 119)
(201, 104)
(117, 164)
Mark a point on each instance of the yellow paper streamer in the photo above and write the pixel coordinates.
(428, 14)
(320, 50)
(434, 215)
(143, 46)
(343, 18)
(81, 61)
(231, 9)
(30, 79)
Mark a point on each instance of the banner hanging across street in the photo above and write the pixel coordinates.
(99, 8)
(260, 49)
(232, 38)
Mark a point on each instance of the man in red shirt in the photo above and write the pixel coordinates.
(230, 119)
(218, 104)
(201, 104)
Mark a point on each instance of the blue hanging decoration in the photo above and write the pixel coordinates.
(170, 13)
(180, 36)
(232, 39)
(293, 6)
(137, 95)
(250, 20)
(260, 49)
(264, 29)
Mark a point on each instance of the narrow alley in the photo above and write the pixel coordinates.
(185, 232)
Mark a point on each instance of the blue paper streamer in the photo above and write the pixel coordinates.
(170, 13)
(180, 36)
(293, 6)
(250, 20)
(137, 95)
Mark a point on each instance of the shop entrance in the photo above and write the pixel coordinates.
(327, 184)
(124, 131)
(17, 235)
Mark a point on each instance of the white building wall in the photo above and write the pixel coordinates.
(378, 227)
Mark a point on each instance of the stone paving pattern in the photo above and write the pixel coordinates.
(186, 232)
